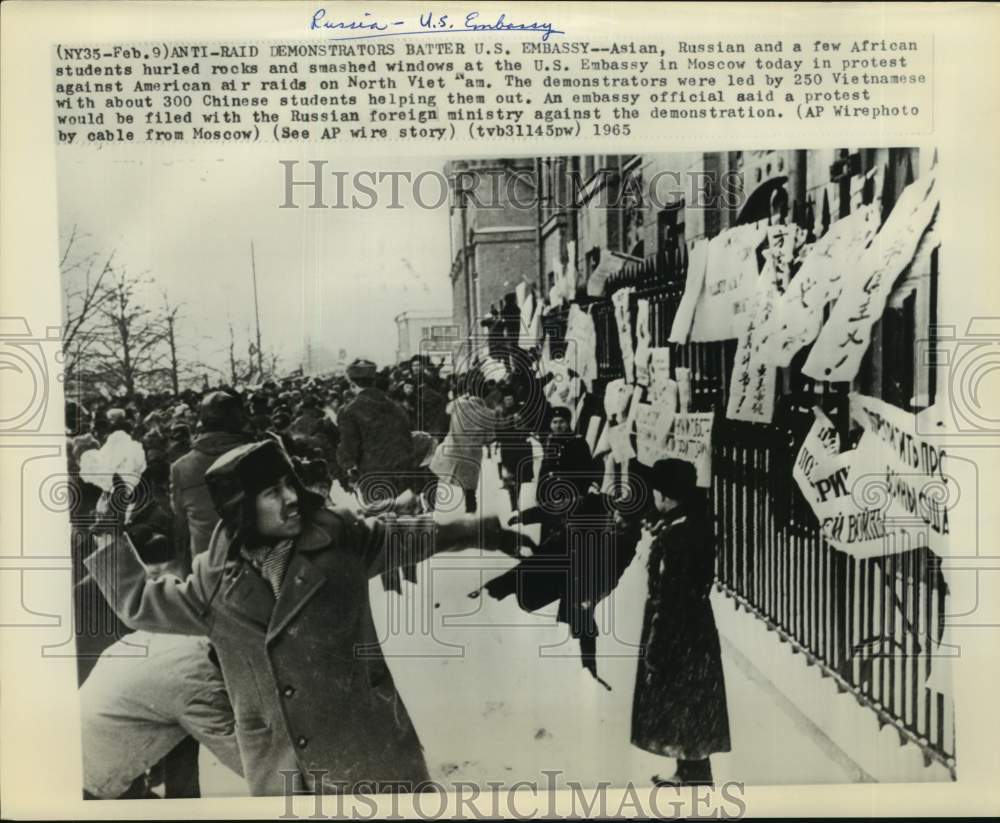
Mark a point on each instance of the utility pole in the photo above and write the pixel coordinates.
(256, 312)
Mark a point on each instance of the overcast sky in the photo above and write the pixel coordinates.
(188, 216)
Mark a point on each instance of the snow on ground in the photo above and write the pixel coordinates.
(500, 695)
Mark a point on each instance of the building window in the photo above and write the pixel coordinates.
(443, 332)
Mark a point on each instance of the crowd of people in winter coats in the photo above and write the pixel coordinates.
(390, 437)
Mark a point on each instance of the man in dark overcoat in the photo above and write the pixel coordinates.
(376, 442)
(283, 594)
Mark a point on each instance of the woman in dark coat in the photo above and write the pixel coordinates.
(679, 707)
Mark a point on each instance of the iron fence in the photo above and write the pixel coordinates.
(872, 625)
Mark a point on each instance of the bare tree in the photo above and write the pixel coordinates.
(84, 282)
(128, 345)
(171, 313)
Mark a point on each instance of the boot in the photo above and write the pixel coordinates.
(689, 773)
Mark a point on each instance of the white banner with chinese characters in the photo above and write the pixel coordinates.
(798, 314)
(844, 338)
(752, 387)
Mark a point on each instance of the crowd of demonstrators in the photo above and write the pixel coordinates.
(208, 485)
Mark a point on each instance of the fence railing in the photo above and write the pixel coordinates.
(871, 625)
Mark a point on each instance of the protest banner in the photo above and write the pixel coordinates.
(893, 492)
(844, 338)
(825, 267)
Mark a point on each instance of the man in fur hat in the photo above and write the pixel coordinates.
(221, 420)
(376, 445)
(282, 593)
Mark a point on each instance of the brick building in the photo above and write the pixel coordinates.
(494, 235)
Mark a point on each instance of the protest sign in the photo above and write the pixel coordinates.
(690, 439)
(893, 492)
(844, 338)
(798, 313)
(730, 276)
(642, 340)
(697, 260)
(623, 320)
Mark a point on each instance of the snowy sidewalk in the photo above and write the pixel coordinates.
(500, 695)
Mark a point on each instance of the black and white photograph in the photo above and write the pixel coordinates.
(528, 410)
(571, 468)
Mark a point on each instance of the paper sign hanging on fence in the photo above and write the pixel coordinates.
(666, 393)
(690, 440)
(620, 439)
(895, 491)
(581, 349)
(556, 295)
(563, 389)
(531, 334)
(659, 372)
(633, 408)
(659, 363)
(606, 267)
(663, 424)
(648, 445)
(697, 260)
(623, 320)
(844, 338)
(525, 338)
(616, 395)
(574, 269)
(667, 405)
(683, 376)
(730, 276)
(824, 270)
(753, 382)
(817, 453)
(642, 340)
(784, 247)
(608, 484)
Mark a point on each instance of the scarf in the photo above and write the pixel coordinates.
(271, 562)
